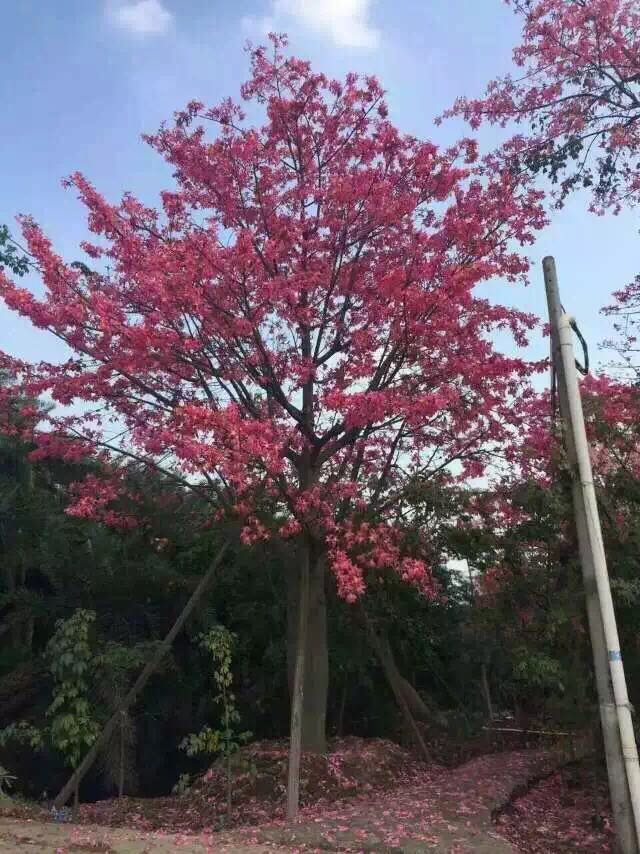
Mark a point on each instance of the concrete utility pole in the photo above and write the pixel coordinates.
(621, 753)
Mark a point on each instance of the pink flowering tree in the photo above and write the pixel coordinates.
(520, 539)
(537, 460)
(578, 98)
(612, 418)
(297, 324)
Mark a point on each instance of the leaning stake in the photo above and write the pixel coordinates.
(297, 698)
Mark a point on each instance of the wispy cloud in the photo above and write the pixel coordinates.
(141, 17)
(344, 22)
(256, 26)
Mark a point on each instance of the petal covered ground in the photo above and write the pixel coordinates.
(408, 807)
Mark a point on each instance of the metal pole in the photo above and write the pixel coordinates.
(623, 814)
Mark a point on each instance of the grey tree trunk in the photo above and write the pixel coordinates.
(316, 672)
(417, 705)
(398, 685)
(486, 691)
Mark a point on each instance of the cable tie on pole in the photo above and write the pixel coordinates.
(584, 370)
(628, 706)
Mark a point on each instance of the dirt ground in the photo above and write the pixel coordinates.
(567, 811)
(439, 810)
(47, 838)
(44, 838)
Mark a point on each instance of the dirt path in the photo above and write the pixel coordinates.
(38, 838)
(45, 838)
(448, 811)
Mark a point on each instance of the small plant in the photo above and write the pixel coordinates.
(183, 785)
(71, 728)
(20, 732)
(6, 782)
(113, 666)
(226, 741)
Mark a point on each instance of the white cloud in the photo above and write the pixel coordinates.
(141, 17)
(345, 22)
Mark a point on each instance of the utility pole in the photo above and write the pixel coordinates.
(621, 754)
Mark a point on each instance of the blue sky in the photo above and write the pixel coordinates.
(82, 79)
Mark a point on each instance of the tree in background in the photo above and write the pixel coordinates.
(115, 666)
(579, 98)
(578, 95)
(522, 541)
(134, 579)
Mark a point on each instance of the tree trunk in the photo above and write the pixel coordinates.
(149, 669)
(316, 674)
(397, 684)
(343, 705)
(486, 691)
(299, 678)
(417, 705)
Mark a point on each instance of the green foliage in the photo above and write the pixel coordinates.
(226, 741)
(626, 590)
(117, 661)
(208, 740)
(10, 256)
(537, 670)
(218, 642)
(52, 564)
(22, 732)
(73, 728)
(115, 666)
